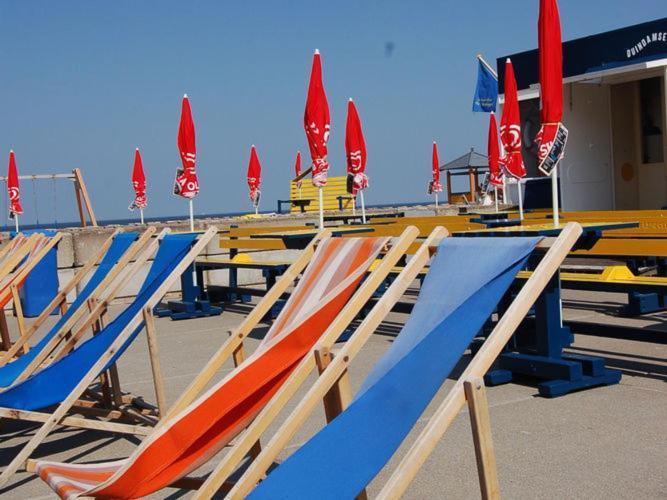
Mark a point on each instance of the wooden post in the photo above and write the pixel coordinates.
(18, 312)
(4, 331)
(471, 179)
(151, 337)
(481, 434)
(339, 395)
(449, 187)
(82, 193)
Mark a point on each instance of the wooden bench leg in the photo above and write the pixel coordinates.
(481, 433)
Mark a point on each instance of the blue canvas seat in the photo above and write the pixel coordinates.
(466, 280)
(120, 244)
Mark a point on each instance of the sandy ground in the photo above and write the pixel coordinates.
(606, 442)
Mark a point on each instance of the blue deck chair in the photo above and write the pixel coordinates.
(63, 381)
(120, 244)
(466, 280)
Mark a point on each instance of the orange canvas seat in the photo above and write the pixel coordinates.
(194, 435)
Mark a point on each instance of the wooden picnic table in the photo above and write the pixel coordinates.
(299, 239)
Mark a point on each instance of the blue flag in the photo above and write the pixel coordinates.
(486, 93)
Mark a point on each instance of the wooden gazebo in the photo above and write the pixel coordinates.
(471, 164)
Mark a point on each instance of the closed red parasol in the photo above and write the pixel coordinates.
(317, 123)
(186, 184)
(355, 151)
(297, 168)
(510, 127)
(495, 174)
(13, 188)
(552, 136)
(434, 186)
(254, 177)
(138, 183)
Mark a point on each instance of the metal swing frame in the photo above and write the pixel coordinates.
(83, 202)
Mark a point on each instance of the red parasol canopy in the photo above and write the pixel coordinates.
(297, 168)
(139, 183)
(186, 184)
(13, 188)
(355, 151)
(254, 176)
(553, 135)
(510, 127)
(317, 123)
(434, 186)
(495, 174)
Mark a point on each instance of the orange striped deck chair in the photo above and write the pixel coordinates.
(191, 434)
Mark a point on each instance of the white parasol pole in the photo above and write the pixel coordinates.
(16, 222)
(436, 199)
(256, 209)
(496, 197)
(141, 213)
(192, 216)
(321, 209)
(354, 205)
(363, 207)
(554, 195)
(518, 186)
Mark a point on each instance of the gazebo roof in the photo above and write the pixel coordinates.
(471, 159)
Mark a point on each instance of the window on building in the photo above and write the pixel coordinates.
(652, 128)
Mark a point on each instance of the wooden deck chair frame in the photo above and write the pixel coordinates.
(59, 416)
(8, 263)
(16, 281)
(114, 404)
(60, 299)
(470, 383)
(233, 346)
(121, 269)
(332, 387)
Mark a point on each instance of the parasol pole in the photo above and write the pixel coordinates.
(363, 207)
(16, 222)
(554, 194)
(141, 213)
(436, 199)
(354, 205)
(496, 197)
(321, 195)
(192, 216)
(518, 189)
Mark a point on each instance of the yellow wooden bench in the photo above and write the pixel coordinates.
(336, 187)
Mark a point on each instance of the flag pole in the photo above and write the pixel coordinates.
(192, 216)
(321, 209)
(363, 207)
(487, 65)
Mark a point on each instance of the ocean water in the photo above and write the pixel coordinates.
(9, 224)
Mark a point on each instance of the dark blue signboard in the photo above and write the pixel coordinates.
(622, 47)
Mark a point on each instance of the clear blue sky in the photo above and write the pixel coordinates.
(83, 83)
